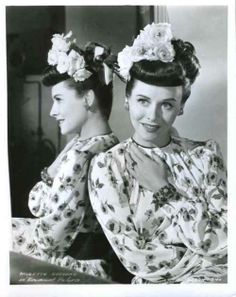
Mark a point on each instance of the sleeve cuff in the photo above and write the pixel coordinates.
(46, 178)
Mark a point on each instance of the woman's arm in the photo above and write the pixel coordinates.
(39, 195)
(203, 225)
(201, 218)
(66, 204)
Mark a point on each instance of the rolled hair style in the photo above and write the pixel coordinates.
(182, 71)
(103, 92)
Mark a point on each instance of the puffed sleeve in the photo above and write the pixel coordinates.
(63, 205)
(202, 220)
(107, 185)
(215, 179)
(38, 198)
(108, 194)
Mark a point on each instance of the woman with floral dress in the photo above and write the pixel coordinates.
(82, 98)
(161, 199)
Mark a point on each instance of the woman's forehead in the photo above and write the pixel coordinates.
(148, 90)
(61, 88)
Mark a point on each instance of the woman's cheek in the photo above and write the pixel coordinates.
(170, 118)
(137, 113)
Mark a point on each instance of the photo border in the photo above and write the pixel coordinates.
(200, 290)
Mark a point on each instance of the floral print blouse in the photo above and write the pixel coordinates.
(62, 210)
(175, 238)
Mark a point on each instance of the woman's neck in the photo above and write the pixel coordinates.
(151, 143)
(95, 126)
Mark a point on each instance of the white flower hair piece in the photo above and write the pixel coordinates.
(66, 60)
(152, 44)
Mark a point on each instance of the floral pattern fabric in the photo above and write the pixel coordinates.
(62, 210)
(177, 238)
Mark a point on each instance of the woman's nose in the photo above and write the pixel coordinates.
(53, 112)
(154, 113)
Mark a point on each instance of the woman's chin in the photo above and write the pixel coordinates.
(63, 132)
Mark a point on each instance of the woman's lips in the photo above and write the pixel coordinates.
(60, 122)
(150, 127)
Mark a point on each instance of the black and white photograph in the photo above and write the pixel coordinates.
(118, 148)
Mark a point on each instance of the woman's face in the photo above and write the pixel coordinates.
(153, 110)
(68, 108)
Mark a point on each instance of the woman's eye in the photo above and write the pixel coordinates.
(57, 99)
(167, 105)
(143, 101)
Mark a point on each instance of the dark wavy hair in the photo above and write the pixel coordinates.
(103, 92)
(182, 71)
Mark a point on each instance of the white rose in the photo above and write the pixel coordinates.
(80, 62)
(81, 74)
(138, 52)
(156, 33)
(59, 43)
(63, 63)
(164, 52)
(74, 54)
(125, 62)
(76, 62)
(52, 57)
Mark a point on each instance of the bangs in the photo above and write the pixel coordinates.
(159, 73)
(52, 77)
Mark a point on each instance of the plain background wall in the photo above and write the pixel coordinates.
(205, 114)
(114, 26)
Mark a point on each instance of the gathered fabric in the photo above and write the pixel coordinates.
(175, 238)
(62, 211)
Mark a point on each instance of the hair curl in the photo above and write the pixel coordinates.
(181, 72)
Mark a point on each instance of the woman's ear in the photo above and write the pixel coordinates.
(126, 104)
(181, 111)
(89, 99)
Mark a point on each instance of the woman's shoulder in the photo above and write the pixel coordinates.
(208, 146)
(115, 153)
(95, 144)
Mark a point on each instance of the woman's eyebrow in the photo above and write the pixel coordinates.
(56, 95)
(165, 99)
(143, 96)
(169, 99)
